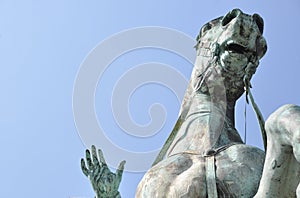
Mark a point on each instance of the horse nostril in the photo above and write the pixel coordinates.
(231, 15)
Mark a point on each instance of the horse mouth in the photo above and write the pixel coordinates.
(236, 48)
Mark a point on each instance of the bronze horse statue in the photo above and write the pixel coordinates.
(204, 155)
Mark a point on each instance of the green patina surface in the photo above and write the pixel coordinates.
(204, 155)
(104, 182)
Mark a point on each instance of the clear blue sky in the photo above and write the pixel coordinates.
(42, 45)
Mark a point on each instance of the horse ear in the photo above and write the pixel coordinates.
(204, 29)
(230, 16)
(261, 47)
(259, 21)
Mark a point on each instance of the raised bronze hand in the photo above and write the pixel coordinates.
(104, 182)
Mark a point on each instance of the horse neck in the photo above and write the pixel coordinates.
(220, 121)
(229, 133)
(206, 126)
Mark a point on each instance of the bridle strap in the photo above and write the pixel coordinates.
(211, 184)
(259, 115)
(247, 87)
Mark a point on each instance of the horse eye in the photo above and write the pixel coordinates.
(231, 15)
(260, 22)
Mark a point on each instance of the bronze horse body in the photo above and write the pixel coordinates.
(207, 157)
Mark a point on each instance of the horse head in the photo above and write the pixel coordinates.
(236, 44)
